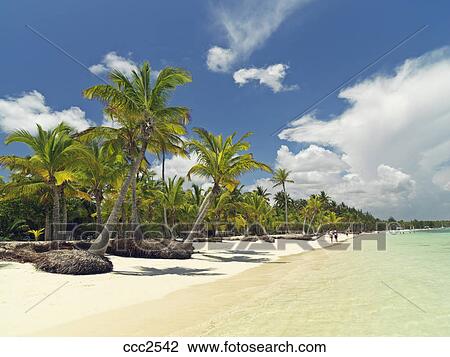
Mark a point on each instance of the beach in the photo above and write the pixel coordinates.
(38, 303)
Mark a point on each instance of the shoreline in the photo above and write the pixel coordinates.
(38, 303)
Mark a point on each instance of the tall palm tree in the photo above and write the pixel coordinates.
(280, 178)
(172, 196)
(51, 163)
(167, 140)
(221, 160)
(137, 101)
(101, 168)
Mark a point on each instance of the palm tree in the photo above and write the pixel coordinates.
(134, 100)
(172, 196)
(261, 191)
(52, 162)
(101, 169)
(313, 207)
(280, 178)
(256, 210)
(167, 139)
(221, 160)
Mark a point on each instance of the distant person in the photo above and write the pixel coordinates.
(335, 236)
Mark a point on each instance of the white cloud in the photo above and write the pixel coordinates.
(247, 25)
(271, 76)
(220, 59)
(28, 110)
(394, 138)
(113, 61)
(179, 166)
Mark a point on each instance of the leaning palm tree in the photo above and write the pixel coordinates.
(221, 160)
(135, 100)
(52, 162)
(280, 178)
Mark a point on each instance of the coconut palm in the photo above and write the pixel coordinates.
(256, 210)
(221, 160)
(167, 139)
(280, 178)
(101, 168)
(261, 191)
(172, 196)
(52, 162)
(313, 208)
(135, 100)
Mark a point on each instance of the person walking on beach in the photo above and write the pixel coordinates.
(335, 236)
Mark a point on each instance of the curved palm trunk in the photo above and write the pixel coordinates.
(48, 224)
(101, 242)
(56, 212)
(304, 224)
(285, 209)
(202, 212)
(98, 207)
(134, 207)
(163, 176)
(312, 219)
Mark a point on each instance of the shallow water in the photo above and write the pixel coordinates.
(403, 290)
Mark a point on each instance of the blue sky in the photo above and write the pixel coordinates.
(317, 43)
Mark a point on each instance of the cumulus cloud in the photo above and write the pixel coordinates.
(393, 137)
(247, 25)
(26, 111)
(179, 166)
(113, 61)
(271, 76)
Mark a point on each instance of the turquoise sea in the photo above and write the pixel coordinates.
(403, 290)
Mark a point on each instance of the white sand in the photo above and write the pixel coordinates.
(32, 301)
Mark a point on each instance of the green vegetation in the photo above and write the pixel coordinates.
(102, 175)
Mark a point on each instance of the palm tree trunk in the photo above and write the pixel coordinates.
(98, 207)
(134, 207)
(202, 212)
(63, 212)
(304, 224)
(285, 208)
(312, 219)
(56, 211)
(48, 225)
(101, 242)
(163, 176)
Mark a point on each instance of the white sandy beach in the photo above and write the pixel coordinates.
(33, 301)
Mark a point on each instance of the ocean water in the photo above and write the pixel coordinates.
(403, 290)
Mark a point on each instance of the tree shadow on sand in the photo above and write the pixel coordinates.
(144, 271)
(236, 258)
